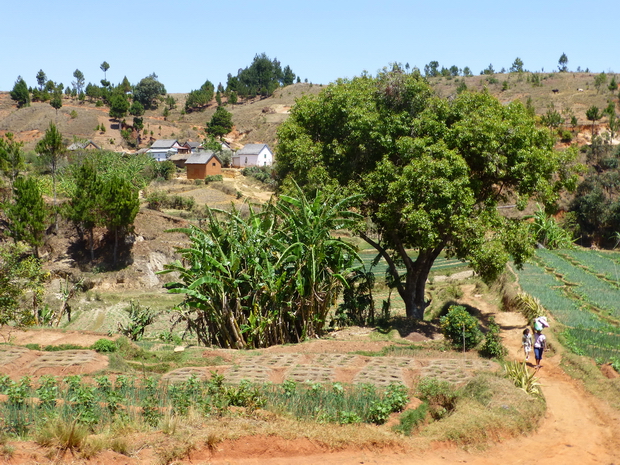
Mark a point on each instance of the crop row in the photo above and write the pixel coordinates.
(598, 263)
(592, 289)
(552, 295)
(147, 400)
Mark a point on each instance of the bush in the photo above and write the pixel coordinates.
(104, 345)
(156, 200)
(440, 395)
(492, 346)
(461, 328)
(214, 178)
(566, 136)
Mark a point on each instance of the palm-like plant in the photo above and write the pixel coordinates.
(268, 279)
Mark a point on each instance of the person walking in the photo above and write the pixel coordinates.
(526, 342)
(540, 344)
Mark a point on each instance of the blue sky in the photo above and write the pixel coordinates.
(186, 42)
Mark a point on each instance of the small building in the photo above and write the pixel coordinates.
(253, 155)
(163, 149)
(202, 164)
(83, 145)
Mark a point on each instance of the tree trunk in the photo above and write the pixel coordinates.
(412, 291)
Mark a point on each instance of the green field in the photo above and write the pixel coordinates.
(580, 289)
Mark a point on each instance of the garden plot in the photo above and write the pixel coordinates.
(181, 375)
(454, 370)
(249, 371)
(313, 374)
(276, 361)
(335, 360)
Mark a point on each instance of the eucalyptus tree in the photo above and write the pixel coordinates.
(78, 84)
(431, 171)
(41, 79)
(105, 67)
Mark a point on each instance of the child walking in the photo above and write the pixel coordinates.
(540, 344)
(526, 342)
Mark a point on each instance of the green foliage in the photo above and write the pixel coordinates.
(159, 199)
(139, 319)
(11, 156)
(104, 346)
(268, 279)
(411, 419)
(220, 124)
(492, 346)
(548, 232)
(424, 169)
(441, 396)
(28, 213)
(119, 105)
(599, 81)
(461, 328)
(262, 78)
(20, 93)
(263, 174)
(519, 374)
(213, 178)
(198, 99)
(563, 63)
(21, 285)
(147, 91)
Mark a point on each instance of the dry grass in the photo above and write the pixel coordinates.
(586, 370)
(492, 409)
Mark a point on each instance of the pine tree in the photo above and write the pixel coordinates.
(120, 205)
(51, 148)
(27, 214)
(20, 93)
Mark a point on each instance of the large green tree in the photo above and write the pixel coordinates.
(84, 209)
(147, 91)
(432, 172)
(79, 82)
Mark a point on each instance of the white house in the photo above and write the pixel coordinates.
(253, 155)
(163, 149)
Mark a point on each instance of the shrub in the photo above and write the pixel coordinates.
(214, 178)
(566, 136)
(492, 346)
(440, 395)
(461, 328)
(155, 200)
(104, 345)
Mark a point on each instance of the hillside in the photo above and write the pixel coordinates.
(256, 120)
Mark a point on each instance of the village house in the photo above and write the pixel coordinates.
(202, 164)
(253, 155)
(163, 149)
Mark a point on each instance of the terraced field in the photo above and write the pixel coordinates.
(581, 290)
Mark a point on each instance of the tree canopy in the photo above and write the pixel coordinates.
(262, 77)
(431, 171)
(147, 91)
(221, 123)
